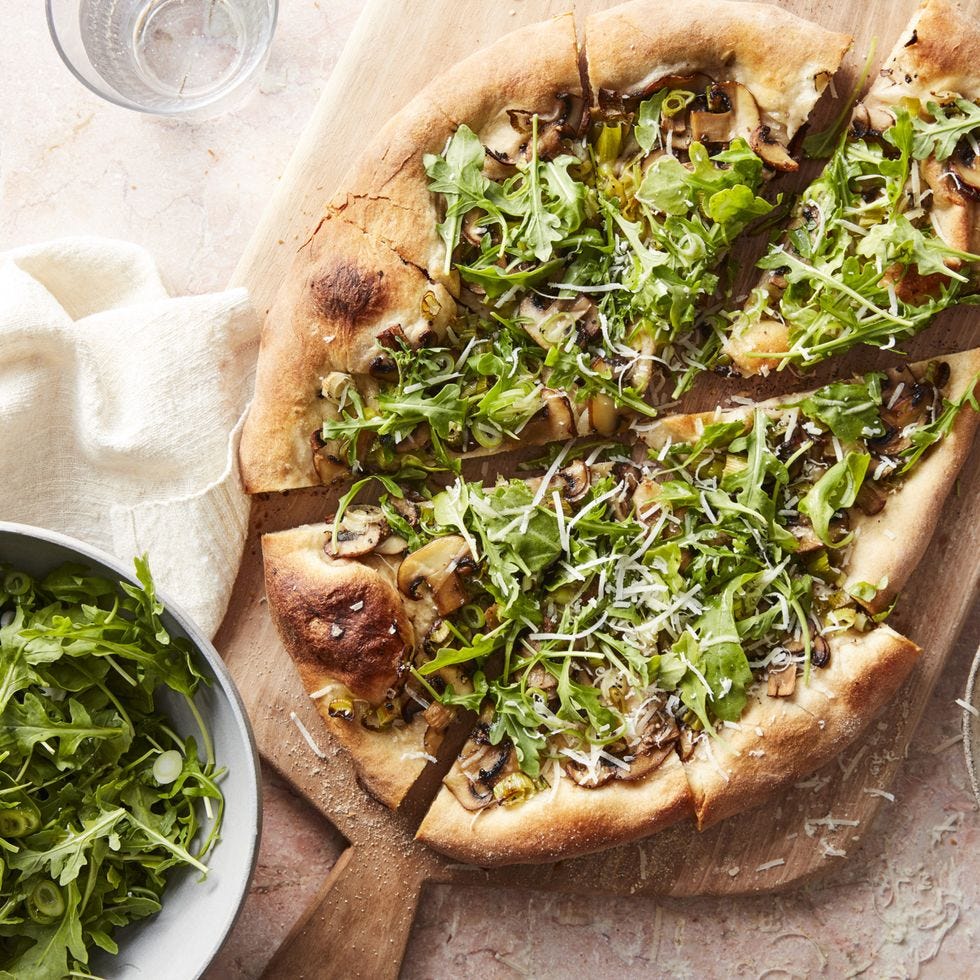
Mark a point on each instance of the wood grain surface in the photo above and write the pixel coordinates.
(359, 923)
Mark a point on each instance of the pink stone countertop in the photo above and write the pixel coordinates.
(901, 904)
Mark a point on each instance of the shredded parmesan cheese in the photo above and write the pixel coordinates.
(304, 731)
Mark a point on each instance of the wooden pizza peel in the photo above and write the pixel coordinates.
(359, 923)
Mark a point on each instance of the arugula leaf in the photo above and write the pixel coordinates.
(458, 175)
(851, 410)
(928, 435)
(938, 137)
(87, 834)
(836, 490)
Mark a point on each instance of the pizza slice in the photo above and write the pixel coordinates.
(732, 629)
(509, 265)
(886, 237)
(602, 618)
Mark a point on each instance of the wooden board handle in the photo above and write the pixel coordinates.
(358, 925)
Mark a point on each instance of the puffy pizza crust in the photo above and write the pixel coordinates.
(937, 54)
(386, 191)
(783, 60)
(343, 290)
(573, 821)
(308, 594)
(742, 768)
(890, 544)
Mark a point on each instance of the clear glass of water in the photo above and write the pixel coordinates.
(166, 57)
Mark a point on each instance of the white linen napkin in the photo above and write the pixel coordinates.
(120, 410)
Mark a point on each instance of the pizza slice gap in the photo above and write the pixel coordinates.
(752, 602)
(536, 308)
(886, 237)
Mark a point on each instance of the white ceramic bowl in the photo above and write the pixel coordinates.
(184, 937)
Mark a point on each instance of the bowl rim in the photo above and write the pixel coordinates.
(209, 652)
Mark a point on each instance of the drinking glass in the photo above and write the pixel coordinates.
(166, 57)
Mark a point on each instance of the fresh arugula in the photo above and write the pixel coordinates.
(865, 263)
(99, 799)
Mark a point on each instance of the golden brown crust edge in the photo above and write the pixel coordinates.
(527, 69)
(890, 544)
(342, 291)
(937, 54)
(784, 61)
(308, 593)
(544, 829)
(800, 733)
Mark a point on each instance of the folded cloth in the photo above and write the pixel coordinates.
(120, 409)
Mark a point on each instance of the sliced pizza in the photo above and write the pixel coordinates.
(886, 237)
(611, 620)
(733, 624)
(511, 265)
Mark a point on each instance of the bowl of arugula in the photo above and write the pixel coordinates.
(130, 806)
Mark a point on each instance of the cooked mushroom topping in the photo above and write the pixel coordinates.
(553, 422)
(732, 112)
(819, 651)
(393, 337)
(950, 211)
(549, 324)
(440, 565)
(965, 170)
(782, 681)
(329, 467)
(870, 499)
(542, 680)
(573, 481)
(603, 414)
(771, 150)
(360, 531)
(394, 544)
(479, 768)
(407, 509)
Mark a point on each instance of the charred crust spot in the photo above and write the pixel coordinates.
(913, 39)
(348, 294)
(320, 629)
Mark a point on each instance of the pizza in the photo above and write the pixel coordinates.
(886, 237)
(665, 615)
(624, 625)
(514, 263)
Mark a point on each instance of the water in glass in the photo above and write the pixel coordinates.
(176, 55)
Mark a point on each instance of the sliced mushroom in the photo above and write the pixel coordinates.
(574, 481)
(549, 324)
(771, 150)
(603, 414)
(361, 530)
(330, 468)
(392, 338)
(869, 119)
(819, 651)
(554, 422)
(951, 211)
(870, 499)
(781, 681)
(439, 565)
(965, 169)
(437, 717)
(394, 544)
(407, 509)
(737, 114)
(478, 769)
(646, 499)
(542, 680)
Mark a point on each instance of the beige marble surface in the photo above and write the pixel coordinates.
(900, 904)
